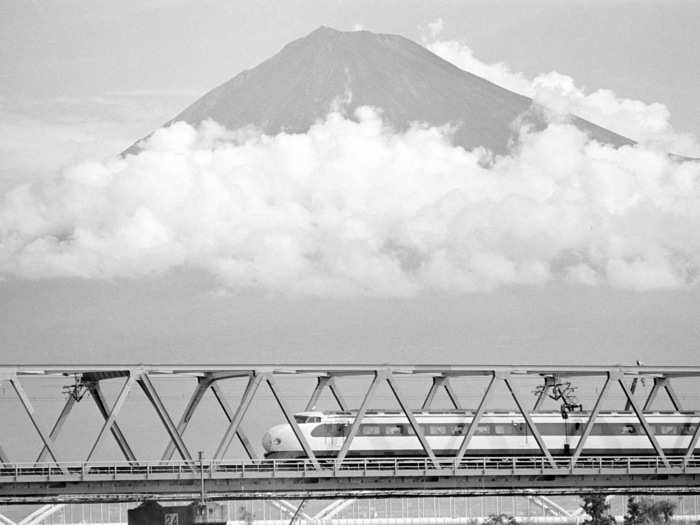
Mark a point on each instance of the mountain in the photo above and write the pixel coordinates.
(301, 83)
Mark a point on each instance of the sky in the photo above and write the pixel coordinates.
(83, 80)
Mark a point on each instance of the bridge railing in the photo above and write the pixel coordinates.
(495, 465)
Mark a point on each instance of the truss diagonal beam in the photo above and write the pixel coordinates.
(475, 420)
(4, 520)
(340, 508)
(289, 416)
(56, 430)
(152, 394)
(298, 512)
(203, 384)
(591, 421)
(242, 435)
(438, 383)
(102, 405)
(645, 425)
(550, 505)
(541, 397)
(116, 408)
(658, 383)
(289, 508)
(334, 509)
(333, 387)
(675, 401)
(321, 383)
(3, 457)
(355, 426)
(528, 420)
(693, 443)
(29, 409)
(41, 514)
(665, 383)
(248, 395)
(411, 419)
(452, 395)
(633, 390)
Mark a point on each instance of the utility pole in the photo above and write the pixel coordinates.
(202, 493)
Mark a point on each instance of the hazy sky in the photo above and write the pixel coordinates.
(85, 79)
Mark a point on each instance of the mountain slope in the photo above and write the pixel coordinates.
(299, 85)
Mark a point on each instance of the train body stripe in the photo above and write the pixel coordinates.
(474, 453)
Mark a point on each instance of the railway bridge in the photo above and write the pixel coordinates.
(82, 469)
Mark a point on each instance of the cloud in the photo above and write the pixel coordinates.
(40, 136)
(435, 27)
(33, 147)
(648, 124)
(353, 207)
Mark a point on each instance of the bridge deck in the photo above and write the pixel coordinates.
(369, 477)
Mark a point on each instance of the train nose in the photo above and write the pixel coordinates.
(273, 439)
(267, 442)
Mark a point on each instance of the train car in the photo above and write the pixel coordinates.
(388, 433)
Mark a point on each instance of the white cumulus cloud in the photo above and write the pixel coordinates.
(353, 207)
(647, 123)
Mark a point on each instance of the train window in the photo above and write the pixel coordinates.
(502, 430)
(519, 429)
(687, 429)
(393, 430)
(330, 430)
(574, 428)
(600, 429)
(437, 430)
(458, 430)
(665, 430)
(482, 430)
(301, 419)
(370, 430)
(408, 430)
(628, 429)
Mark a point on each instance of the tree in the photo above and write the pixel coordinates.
(500, 519)
(245, 515)
(664, 510)
(648, 512)
(635, 514)
(597, 508)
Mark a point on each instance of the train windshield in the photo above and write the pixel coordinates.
(306, 419)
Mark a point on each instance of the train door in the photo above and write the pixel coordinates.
(335, 436)
(574, 430)
(520, 430)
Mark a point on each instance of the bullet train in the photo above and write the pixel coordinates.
(388, 433)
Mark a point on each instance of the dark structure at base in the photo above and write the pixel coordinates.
(152, 513)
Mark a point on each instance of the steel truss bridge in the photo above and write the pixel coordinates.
(51, 479)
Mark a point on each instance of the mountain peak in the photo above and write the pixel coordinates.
(328, 32)
(325, 31)
(299, 85)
